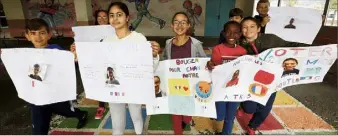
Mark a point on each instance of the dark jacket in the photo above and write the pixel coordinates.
(260, 19)
(267, 41)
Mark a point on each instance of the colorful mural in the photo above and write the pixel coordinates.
(158, 14)
(57, 13)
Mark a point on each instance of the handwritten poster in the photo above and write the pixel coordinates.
(41, 76)
(92, 33)
(294, 23)
(245, 78)
(301, 65)
(117, 72)
(183, 87)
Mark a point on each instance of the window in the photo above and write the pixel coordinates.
(314, 4)
(331, 15)
(273, 3)
(3, 20)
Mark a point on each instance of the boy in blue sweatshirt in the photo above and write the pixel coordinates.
(38, 32)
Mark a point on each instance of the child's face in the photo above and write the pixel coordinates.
(102, 18)
(250, 29)
(180, 24)
(39, 38)
(117, 18)
(238, 19)
(263, 8)
(232, 34)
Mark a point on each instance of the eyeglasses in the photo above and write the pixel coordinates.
(183, 23)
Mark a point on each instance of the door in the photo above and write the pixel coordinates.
(217, 13)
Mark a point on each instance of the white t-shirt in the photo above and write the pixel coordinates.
(135, 37)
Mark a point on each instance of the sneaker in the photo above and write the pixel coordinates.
(184, 125)
(250, 131)
(82, 121)
(99, 113)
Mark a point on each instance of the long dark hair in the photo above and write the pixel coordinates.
(97, 14)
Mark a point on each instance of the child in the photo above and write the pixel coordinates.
(223, 53)
(182, 46)
(101, 18)
(255, 44)
(119, 18)
(38, 32)
(263, 17)
(236, 15)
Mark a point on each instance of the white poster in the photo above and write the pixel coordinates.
(183, 87)
(294, 24)
(245, 78)
(92, 33)
(301, 65)
(117, 72)
(41, 76)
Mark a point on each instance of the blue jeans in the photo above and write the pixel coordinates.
(226, 111)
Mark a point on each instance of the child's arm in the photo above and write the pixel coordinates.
(155, 47)
(276, 41)
(200, 50)
(216, 57)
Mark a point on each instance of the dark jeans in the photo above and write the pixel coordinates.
(41, 115)
(260, 112)
(226, 111)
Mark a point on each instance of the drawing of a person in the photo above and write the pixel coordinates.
(110, 77)
(289, 66)
(291, 26)
(158, 91)
(36, 72)
(234, 80)
(142, 8)
(47, 11)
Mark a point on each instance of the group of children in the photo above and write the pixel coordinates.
(238, 37)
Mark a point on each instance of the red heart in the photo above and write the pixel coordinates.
(185, 88)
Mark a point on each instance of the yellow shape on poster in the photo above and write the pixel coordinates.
(179, 87)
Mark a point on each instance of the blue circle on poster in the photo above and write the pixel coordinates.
(203, 89)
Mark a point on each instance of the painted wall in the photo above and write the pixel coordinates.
(155, 20)
(57, 13)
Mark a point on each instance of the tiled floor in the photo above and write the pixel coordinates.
(287, 117)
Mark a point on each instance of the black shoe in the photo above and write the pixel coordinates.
(184, 125)
(82, 121)
(218, 133)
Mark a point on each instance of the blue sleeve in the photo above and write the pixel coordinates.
(54, 46)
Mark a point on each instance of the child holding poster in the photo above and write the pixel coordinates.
(256, 43)
(119, 18)
(182, 46)
(263, 8)
(38, 32)
(101, 18)
(223, 53)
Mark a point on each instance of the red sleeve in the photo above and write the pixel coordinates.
(216, 56)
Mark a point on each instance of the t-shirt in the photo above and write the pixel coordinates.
(183, 51)
(223, 54)
(290, 72)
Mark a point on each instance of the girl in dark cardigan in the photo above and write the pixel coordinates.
(256, 43)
